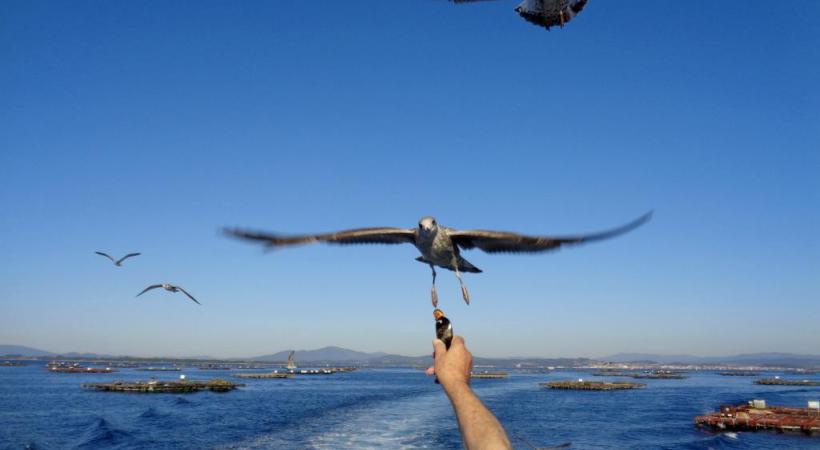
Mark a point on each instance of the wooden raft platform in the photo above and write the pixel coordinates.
(659, 376)
(612, 373)
(80, 369)
(781, 382)
(739, 373)
(164, 387)
(488, 375)
(756, 416)
(264, 375)
(592, 385)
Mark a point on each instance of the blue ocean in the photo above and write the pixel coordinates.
(390, 409)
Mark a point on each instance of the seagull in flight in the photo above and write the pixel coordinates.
(118, 262)
(169, 288)
(440, 246)
(545, 13)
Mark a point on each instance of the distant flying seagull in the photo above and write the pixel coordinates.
(545, 13)
(440, 246)
(118, 262)
(169, 288)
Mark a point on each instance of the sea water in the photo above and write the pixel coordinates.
(390, 409)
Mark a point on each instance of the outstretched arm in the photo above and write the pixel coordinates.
(479, 427)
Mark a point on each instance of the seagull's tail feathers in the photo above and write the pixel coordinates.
(467, 266)
(463, 265)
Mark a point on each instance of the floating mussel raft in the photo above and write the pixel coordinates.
(162, 387)
(781, 382)
(290, 373)
(264, 375)
(582, 385)
(739, 373)
(660, 375)
(757, 416)
(487, 375)
(76, 368)
(612, 373)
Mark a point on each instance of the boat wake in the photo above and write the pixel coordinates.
(411, 422)
(415, 421)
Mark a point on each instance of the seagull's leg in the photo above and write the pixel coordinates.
(464, 293)
(433, 293)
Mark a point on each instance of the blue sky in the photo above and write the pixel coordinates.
(149, 126)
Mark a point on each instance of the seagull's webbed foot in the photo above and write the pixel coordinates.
(433, 293)
(465, 294)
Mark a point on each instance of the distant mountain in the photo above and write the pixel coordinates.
(426, 360)
(322, 354)
(381, 359)
(756, 359)
(75, 355)
(651, 357)
(22, 350)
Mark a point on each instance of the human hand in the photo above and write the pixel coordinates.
(452, 367)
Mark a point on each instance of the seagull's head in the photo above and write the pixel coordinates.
(428, 225)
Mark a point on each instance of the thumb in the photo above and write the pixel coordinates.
(439, 348)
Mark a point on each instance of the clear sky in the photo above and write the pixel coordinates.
(148, 126)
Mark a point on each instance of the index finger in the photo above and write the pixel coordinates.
(438, 348)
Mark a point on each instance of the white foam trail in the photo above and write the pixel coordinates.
(398, 425)
(388, 424)
(407, 423)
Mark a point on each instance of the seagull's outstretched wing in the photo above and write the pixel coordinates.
(107, 256)
(189, 295)
(127, 256)
(153, 286)
(378, 235)
(506, 242)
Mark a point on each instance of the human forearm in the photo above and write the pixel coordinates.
(479, 427)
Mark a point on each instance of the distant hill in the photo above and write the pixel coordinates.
(338, 354)
(75, 355)
(426, 360)
(22, 350)
(323, 354)
(380, 359)
(756, 359)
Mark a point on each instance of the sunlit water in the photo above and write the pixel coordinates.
(372, 409)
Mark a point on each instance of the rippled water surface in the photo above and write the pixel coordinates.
(371, 409)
